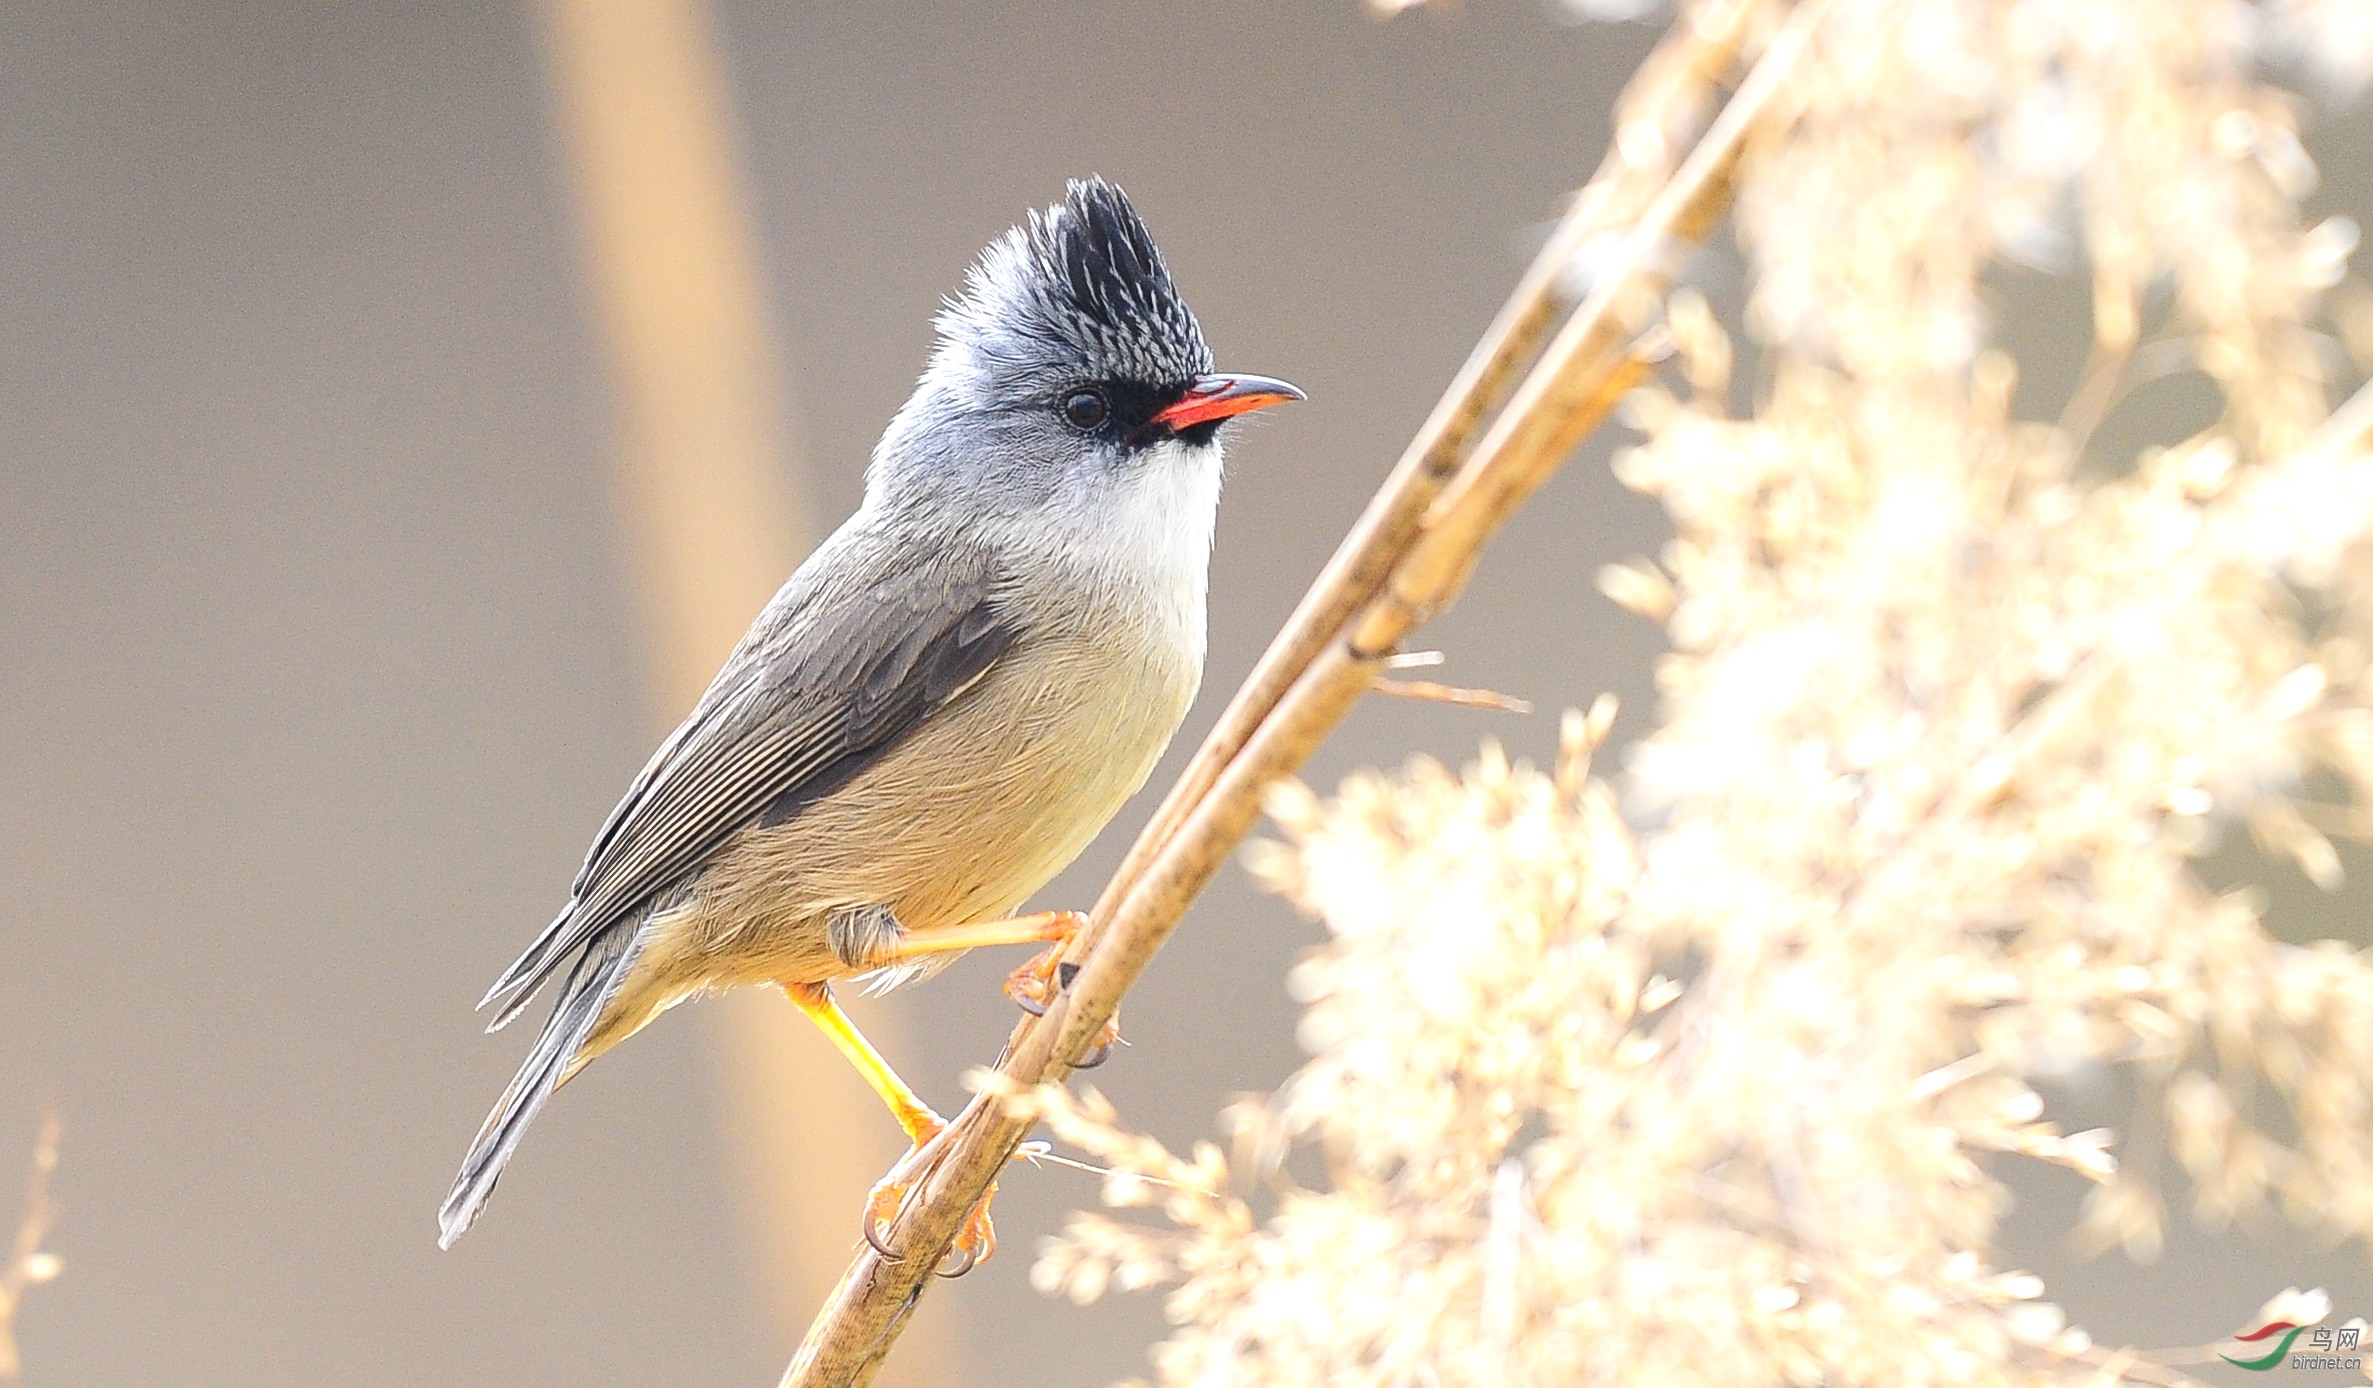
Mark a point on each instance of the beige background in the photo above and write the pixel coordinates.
(320, 658)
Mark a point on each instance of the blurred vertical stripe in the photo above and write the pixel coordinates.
(712, 526)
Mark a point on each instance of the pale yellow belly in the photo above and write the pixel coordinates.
(961, 822)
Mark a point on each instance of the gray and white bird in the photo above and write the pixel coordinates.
(946, 702)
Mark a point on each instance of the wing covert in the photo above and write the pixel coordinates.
(825, 683)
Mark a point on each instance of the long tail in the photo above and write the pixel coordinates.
(591, 985)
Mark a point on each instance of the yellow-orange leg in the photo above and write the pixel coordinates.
(978, 1238)
(1034, 985)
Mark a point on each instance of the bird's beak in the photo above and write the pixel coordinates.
(1220, 397)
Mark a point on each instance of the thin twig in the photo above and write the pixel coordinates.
(2098, 388)
(28, 1264)
(2348, 428)
(1443, 693)
(1452, 694)
(1037, 1153)
(1404, 563)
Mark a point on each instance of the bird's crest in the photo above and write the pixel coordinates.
(1082, 280)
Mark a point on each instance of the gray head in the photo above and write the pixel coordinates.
(1069, 361)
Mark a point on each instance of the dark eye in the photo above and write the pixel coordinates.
(1085, 409)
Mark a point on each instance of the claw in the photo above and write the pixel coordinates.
(1101, 1049)
(1032, 986)
(973, 1245)
(1035, 985)
(886, 1202)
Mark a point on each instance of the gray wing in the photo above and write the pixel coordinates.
(836, 672)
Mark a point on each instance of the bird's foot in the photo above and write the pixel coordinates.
(974, 1242)
(1101, 1049)
(1035, 986)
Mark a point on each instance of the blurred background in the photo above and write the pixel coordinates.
(402, 406)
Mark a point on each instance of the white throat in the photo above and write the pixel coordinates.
(1146, 538)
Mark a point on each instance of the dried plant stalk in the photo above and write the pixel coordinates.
(29, 1264)
(1404, 562)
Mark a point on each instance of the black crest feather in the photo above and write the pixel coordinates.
(1081, 280)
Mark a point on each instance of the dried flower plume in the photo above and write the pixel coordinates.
(1712, 1086)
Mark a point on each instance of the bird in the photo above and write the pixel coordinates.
(941, 707)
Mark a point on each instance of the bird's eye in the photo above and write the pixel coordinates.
(1085, 409)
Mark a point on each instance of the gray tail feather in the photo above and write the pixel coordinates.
(591, 985)
(517, 987)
